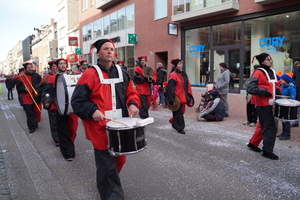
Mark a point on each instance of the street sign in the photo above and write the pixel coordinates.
(78, 51)
(132, 38)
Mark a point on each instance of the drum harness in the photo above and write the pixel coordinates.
(114, 113)
(273, 81)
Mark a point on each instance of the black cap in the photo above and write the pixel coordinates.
(98, 44)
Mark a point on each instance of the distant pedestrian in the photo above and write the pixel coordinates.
(160, 74)
(222, 85)
(10, 84)
(154, 97)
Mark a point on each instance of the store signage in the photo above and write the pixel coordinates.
(196, 50)
(78, 51)
(274, 42)
(72, 57)
(132, 38)
(73, 41)
(172, 29)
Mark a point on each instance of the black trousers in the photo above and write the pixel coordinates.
(178, 118)
(10, 94)
(66, 145)
(143, 111)
(251, 113)
(32, 123)
(53, 125)
(268, 127)
(108, 180)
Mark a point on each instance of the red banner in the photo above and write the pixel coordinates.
(72, 57)
(73, 41)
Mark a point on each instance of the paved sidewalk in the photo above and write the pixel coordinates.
(237, 114)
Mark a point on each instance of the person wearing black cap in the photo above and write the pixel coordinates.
(45, 99)
(66, 124)
(105, 91)
(222, 85)
(263, 86)
(214, 110)
(178, 85)
(143, 86)
(26, 85)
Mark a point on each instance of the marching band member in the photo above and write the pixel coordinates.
(178, 85)
(105, 91)
(66, 124)
(45, 99)
(143, 86)
(26, 85)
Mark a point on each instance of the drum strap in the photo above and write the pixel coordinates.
(114, 113)
(273, 81)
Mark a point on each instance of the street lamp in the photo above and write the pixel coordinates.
(61, 49)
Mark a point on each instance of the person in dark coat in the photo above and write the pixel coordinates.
(10, 84)
(160, 74)
(215, 110)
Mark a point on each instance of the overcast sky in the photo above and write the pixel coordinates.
(19, 17)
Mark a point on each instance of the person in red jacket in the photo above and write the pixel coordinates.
(143, 86)
(263, 86)
(95, 102)
(178, 85)
(46, 99)
(27, 83)
(66, 124)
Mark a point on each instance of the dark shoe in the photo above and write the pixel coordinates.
(280, 135)
(57, 144)
(69, 159)
(295, 125)
(253, 148)
(271, 156)
(284, 137)
(226, 115)
(31, 131)
(181, 132)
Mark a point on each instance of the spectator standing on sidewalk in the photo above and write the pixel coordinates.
(10, 84)
(222, 85)
(160, 74)
(262, 87)
(250, 108)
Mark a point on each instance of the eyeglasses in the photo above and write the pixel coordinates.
(85, 64)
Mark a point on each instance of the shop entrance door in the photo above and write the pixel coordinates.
(233, 57)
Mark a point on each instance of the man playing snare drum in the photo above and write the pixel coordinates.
(263, 86)
(105, 91)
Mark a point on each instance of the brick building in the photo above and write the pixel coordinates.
(201, 32)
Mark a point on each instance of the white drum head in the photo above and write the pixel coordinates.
(287, 102)
(122, 123)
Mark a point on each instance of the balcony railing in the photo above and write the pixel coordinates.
(185, 10)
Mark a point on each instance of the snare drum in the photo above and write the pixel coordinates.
(65, 85)
(286, 109)
(125, 136)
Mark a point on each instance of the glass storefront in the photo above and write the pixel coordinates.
(237, 43)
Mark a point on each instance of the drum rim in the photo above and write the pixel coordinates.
(65, 92)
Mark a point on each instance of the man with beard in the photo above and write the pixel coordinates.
(143, 86)
(45, 100)
(66, 124)
(26, 85)
(263, 86)
(178, 86)
(105, 91)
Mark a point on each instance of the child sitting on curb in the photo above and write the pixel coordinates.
(215, 110)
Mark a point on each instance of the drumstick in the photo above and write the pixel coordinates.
(288, 99)
(115, 121)
(280, 96)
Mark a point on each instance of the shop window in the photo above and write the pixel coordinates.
(87, 32)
